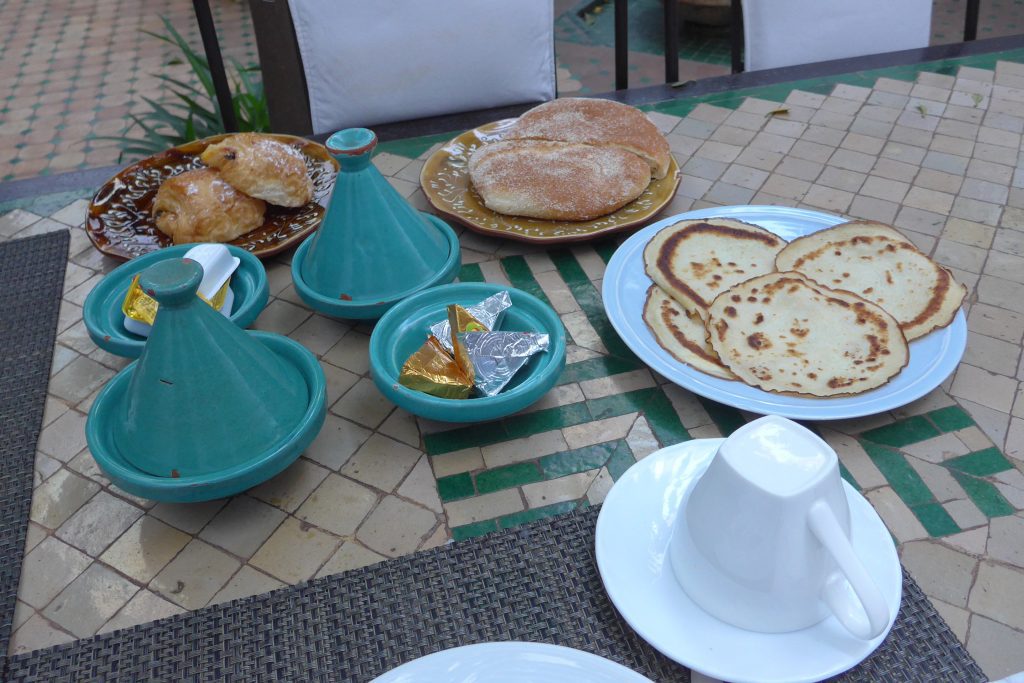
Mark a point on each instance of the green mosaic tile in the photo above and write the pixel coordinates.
(622, 459)
(950, 419)
(985, 495)
(726, 418)
(411, 148)
(518, 518)
(528, 424)
(980, 463)
(898, 434)
(589, 299)
(904, 480)
(464, 437)
(507, 477)
(521, 277)
(470, 272)
(935, 519)
(592, 368)
(454, 487)
(577, 460)
(664, 421)
(620, 404)
(461, 533)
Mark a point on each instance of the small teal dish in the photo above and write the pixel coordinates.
(404, 328)
(99, 434)
(105, 321)
(373, 248)
(371, 309)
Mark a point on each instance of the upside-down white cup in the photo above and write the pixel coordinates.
(762, 540)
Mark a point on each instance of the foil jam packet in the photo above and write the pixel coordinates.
(487, 314)
(142, 308)
(479, 360)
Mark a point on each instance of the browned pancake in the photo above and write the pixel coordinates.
(683, 336)
(556, 180)
(596, 122)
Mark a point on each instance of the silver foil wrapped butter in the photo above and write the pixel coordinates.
(497, 356)
(488, 313)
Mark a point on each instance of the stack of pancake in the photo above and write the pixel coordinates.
(571, 159)
(828, 314)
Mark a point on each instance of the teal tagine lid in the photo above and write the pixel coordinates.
(373, 248)
(207, 406)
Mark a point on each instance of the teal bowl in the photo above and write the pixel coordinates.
(106, 411)
(405, 327)
(367, 309)
(105, 321)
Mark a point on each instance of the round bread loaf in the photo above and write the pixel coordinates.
(556, 180)
(683, 336)
(596, 122)
(876, 262)
(784, 332)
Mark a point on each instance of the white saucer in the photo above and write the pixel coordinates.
(511, 662)
(633, 533)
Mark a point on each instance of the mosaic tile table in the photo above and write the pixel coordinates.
(934, 149)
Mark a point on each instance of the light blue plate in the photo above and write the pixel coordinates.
(105, 321)
(404, 328)
(110, 404)
(933, 357)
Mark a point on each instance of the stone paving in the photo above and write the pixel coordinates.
(935, 152)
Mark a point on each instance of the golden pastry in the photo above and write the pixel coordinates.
(199, 206)
(262, 167)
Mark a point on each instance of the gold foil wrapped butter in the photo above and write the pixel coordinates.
(432, 371)
(141, 307)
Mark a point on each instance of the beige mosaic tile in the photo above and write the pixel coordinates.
(142, 608)
(189, 517)
(338, 505)
(487, 506)
(599, 431)
(381, 462)
(242, 526)
(98, 523)
(350, 555)
(396, 527)
(944, 573)
(572, 487)
(195, 575)
(337, 441)
(363, 404)
(420, 486)
(145, 548)
(517, 450)
(36, 633)
(294, 552)
(246, 582)
(290, 488)
(59, 497)
(48, 569)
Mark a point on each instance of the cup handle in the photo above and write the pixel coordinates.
(867, 619)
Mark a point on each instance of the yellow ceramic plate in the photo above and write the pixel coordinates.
(445, 181)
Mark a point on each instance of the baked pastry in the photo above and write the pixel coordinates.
(261, 167)
(199, 206)
(556, 180)
(596, 122)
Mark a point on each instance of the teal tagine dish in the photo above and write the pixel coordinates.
(106, 323)
(208, 410)
(372, 249)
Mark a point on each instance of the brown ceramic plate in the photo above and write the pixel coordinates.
(120, 224)
(445, 181)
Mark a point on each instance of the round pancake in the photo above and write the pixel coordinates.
(683, 336)
(783, 332)
(556, 180)
(696, 260)
(596, 122)
(876, 262)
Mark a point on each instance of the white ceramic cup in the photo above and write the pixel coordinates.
(762, 540)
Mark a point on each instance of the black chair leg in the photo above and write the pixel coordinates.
(671, 41)
(971, 20)
(736, 35)
(621, 45)
(217, 72)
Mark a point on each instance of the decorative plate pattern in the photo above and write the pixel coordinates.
(445, 181)
(120, 225)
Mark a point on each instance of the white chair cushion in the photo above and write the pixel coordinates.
(375, 62)
(786, 32)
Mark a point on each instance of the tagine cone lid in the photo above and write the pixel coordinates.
(204, 395)
(372, 245)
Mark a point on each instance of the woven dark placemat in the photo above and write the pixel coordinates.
(31, 283)
(537, 582)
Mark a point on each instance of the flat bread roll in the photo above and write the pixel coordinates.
(876, 262)
(696, 260)
(683, 336)
(199, 206)
(556, 180)
(262, 167)
(784, 332)
(596, 122)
